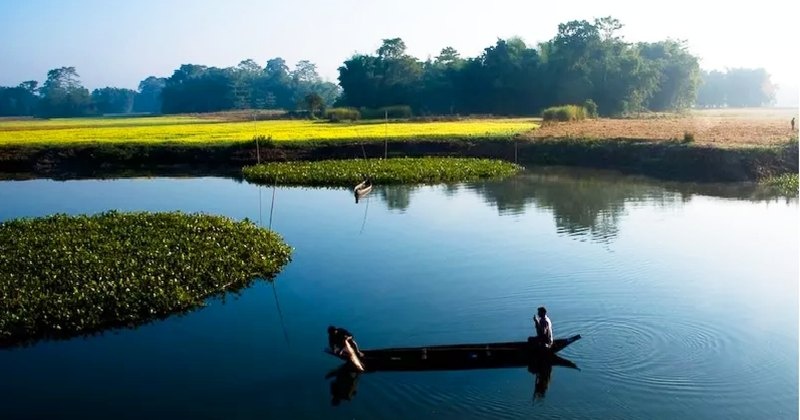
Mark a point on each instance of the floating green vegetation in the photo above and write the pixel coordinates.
(62, 276)
(786, 184)
(427, 170)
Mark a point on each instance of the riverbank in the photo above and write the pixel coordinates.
(671, 160)
(706, 146)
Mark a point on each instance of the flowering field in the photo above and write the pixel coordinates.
(209, 131)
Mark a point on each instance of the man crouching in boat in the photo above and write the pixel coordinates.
(343, 345)
(544, 328)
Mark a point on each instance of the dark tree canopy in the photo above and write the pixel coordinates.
(736, 88)
(585, 60)
(113, 100)
(62, 94)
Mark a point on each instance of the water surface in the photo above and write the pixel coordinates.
(686, 296)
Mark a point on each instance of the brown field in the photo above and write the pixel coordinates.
(725, 127)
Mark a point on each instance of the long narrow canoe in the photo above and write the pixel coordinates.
(466, 356)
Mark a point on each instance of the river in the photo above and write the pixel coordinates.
(686, 296)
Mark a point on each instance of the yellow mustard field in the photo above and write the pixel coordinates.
(201, 131)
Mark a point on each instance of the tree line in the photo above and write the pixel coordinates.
(191, 88)
(736, 88)
(584, 61)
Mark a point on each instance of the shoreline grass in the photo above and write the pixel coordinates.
(785, 184)
(427, 170)
(63, 276)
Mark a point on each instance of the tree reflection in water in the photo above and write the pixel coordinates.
(585, 203)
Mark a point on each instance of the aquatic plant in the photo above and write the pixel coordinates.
(62, 275)
(786, 184)
(427, 170)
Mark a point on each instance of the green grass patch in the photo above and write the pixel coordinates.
(62, 276)
(427, 170)
(786, 184)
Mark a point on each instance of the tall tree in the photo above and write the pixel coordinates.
(148, 98)
(20, 100)
(678, 75)
(111, 100)
(62, 94)
(749, 88)
(712, 91)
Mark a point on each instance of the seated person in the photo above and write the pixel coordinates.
(341, 341)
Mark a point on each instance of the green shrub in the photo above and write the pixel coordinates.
(342, 114)
(62, 276)
(688, 137)
(564, 113)
(264, 141)
(591, 108)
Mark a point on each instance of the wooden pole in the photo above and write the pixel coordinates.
(385, 133)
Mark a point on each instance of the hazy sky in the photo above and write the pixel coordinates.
(116, 43)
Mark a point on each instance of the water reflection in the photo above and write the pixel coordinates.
(344, 383)
(397, 197)
(585, 203)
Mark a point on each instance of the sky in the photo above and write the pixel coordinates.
(119, 43)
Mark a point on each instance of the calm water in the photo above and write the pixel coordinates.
(686, 296)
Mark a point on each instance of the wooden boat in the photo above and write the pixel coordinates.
(466, 356)
(362, 189)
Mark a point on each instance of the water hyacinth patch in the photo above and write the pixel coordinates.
(786, 184)
(62, 276)
(427, 170)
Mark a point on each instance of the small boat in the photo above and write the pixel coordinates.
(466, 356)
(362, 189)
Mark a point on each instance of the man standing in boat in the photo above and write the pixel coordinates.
(544, 328)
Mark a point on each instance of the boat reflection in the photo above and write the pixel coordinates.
(344, 383)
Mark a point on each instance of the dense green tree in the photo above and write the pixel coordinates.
(712, 90)
(738, 87)
(748, 88)
(62, 94)
(391, 77)
(20, 100)
(678, 75)
(359, 77)
(196, 88)
(111, 100)
(148, 98)
(313, 102)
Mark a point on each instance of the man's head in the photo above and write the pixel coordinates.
(542, 311)
(331, 329)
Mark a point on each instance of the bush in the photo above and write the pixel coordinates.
(342, 114)
(688, 137)
(564, 113)
(264, 141)
(591, 108)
